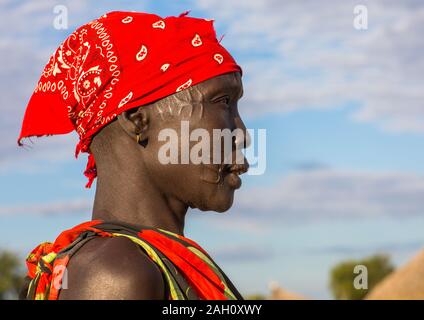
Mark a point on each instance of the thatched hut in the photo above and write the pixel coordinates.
(406, 283)
(278, 293)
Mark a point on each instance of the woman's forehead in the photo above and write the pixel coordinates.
(230, 82)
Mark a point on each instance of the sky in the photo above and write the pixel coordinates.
(344, 116)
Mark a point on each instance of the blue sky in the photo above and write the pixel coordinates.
(345, 127)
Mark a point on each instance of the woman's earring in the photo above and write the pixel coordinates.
(138, 138)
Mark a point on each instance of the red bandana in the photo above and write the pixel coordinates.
(120, 61)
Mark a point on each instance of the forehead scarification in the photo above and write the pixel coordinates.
(191, 101)
(181, 104)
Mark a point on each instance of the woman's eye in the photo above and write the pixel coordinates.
(225, 100)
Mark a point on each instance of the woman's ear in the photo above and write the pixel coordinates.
(135, 123)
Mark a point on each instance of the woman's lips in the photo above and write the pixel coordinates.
(232, 174)
(237, 168)
(233, 180)
(226, 174)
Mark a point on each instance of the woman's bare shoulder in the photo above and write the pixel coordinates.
(112, 268)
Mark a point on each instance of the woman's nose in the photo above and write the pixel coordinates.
(243, 139)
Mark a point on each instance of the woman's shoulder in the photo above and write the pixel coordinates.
(112, 268)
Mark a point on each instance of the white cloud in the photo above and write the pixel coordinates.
(71, 206)
(303, 196)
(324, 194)
(27, 40)
(242, 253)
(306, 54)
(349, 250)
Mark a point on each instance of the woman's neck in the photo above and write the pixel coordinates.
(124, 194)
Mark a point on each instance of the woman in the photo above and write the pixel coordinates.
(133, 85)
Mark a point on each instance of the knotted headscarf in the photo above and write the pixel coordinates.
(120, 61)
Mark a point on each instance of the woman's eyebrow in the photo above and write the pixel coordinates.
(224, 87)
(234, 89)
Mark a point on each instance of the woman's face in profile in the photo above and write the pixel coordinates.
(186, 162)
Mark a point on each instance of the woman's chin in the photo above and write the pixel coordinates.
(220, 201)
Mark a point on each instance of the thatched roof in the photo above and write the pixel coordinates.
(278, 293)
(405, 283)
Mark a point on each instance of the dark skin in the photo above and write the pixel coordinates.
(133, 187)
